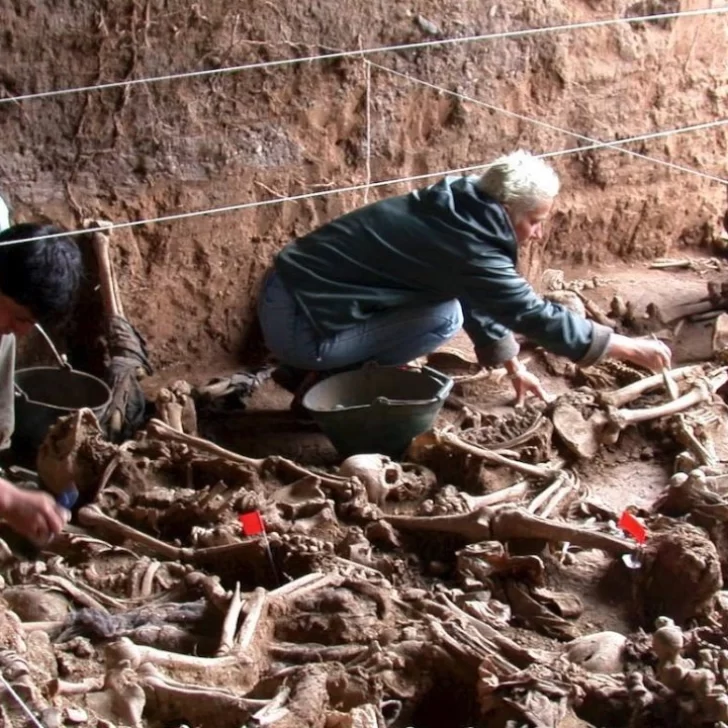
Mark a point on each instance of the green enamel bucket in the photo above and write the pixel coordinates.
(377, 409)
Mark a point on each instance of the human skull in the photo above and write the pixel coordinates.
(383, 478)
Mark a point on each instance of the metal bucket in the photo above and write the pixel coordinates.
(377, 409)
(43, 394)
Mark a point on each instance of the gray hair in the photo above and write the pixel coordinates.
(521, 180)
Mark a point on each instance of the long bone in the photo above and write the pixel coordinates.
(230, 623)
(165, 688)
(124, 649)
(162, 431)
(702, 391)
(486, 524)
(257, 607)
(92, 516)
(512, 493)
(625, 395)
(535, 471)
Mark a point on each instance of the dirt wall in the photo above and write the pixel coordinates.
(157, 149)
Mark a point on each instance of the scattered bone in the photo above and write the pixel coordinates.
(544, 473)
(371, 635)
(602, 652)
(508, 523)
(631, 392)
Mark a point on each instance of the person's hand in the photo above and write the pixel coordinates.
(651, 354)
(525, 382)
(33, 514)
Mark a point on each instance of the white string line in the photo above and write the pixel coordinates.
(352, 188)
(368, 67)
(596, 144)
(21, 703)
(367, 51)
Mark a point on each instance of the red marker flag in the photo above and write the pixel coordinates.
(251, 523)
(628, 523)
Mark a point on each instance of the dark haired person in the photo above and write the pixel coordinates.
(38, 284)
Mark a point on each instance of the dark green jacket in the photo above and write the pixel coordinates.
(446, 241)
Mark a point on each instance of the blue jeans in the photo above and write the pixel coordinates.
(392, 337)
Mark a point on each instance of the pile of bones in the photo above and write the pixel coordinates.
(418, 593)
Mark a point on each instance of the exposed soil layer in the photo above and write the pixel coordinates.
(151, 150)
(448, 590)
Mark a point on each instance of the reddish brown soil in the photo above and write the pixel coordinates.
(177, 146)
(171, 147)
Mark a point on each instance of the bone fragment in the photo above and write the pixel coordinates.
(75, 592)
(686, 435)
(257, 606)
(164, 432)
(274, 710)
(620, 397)
(356, 566)
(122, 700)
(305, 654)
(107, 280)
(172, 691)
(169, 409)
(547, 493)
(514, 652)
(303, 585)
(148, 579)
(535, 471)
(230, 623)
(63, 687)
(555, 502)
(210, 586)
(470, 647)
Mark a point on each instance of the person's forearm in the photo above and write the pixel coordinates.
(620, 347)
(514, 366)
(6, 494)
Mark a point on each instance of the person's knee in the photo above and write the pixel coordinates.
(451, 319)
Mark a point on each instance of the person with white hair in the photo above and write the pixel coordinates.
(394, 280)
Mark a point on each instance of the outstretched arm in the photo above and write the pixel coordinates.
(31, 513)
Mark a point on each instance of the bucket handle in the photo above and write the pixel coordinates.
(446, 384)
(20, 393)
(62, 359)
